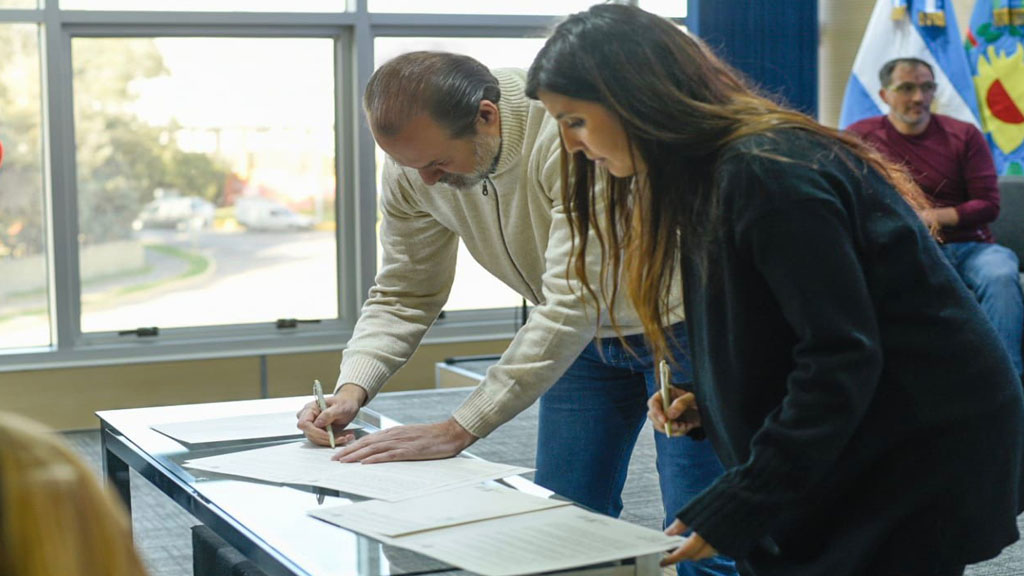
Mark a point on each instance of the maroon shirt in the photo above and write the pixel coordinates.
(951, 162)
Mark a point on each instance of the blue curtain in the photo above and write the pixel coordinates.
(773, 42)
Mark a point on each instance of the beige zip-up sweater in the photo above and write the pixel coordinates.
(515, 226)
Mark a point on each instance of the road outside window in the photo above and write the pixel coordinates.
(206, 187)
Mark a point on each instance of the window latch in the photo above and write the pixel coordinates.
(141, 332)
(293, 322)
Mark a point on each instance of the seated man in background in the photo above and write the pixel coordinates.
(952, 164)
(55, 517)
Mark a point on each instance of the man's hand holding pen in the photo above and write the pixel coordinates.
(342, 409)
(414, 442)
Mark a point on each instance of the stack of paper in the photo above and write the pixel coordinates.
(442, 509)
(235, 428)
(496, 531)
(448, 508)
(305, 464)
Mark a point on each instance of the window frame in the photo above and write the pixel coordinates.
(353, 33)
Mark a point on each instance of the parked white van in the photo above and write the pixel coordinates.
(256, 213)
(179, 212)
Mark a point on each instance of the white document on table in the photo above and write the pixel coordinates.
(439, 510)
(231, 429)
(303, 463)
(542, 540)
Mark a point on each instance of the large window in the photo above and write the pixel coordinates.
(190, 178)
(208, 5)
(24, 265)
(205, 180)
(670, 8)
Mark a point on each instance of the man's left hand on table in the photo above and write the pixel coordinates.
(413, 442)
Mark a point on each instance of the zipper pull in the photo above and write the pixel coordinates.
(485, 187)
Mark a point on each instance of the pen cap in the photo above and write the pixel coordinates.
(680, 379)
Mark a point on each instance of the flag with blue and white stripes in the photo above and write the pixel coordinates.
(910, 28)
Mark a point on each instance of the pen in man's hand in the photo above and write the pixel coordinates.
(318, 391)
(665, 375)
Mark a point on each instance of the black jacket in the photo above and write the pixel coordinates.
(866, 412)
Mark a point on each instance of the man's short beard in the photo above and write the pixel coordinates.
(485, 158)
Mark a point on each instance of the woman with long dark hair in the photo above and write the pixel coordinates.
(868, 417)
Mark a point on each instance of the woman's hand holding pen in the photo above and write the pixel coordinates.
(693, 548)
(412, 442)
(342, 408)
(683, 412)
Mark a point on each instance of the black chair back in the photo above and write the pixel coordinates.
(1008, 229)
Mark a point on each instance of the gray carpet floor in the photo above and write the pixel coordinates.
(162, 527)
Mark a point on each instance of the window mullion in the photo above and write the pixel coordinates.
(61, 203)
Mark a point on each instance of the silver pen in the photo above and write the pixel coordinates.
(665, 376)
(318, 391)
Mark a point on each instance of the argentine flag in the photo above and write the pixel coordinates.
(887, 38)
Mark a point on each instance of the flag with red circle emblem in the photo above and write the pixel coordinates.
(995, 50)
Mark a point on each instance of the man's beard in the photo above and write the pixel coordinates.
(485, 159)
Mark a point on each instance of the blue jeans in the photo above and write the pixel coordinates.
(589, 423)
(991, 272)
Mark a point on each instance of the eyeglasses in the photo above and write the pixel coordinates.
(908, 88)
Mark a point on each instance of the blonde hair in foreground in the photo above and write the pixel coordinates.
(56, 517)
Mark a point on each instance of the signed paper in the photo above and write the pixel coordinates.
(303, 463)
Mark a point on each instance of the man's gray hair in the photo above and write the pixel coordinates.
(885, 74)
(447, 86)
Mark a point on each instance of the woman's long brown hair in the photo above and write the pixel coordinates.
(680, 106)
